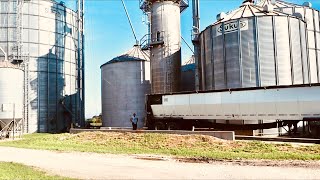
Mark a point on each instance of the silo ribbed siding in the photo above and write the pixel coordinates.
(166, 57)
(124, 88)
(311, 16)
(266, 51)
(188, 77)
(251, 47)
(125, 81)
(50, 40)
(11, 94)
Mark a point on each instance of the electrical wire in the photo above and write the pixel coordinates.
(187, 44)
(134, 33)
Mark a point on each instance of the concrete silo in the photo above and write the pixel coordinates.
(165, 43)
(125, 81)
(52, 54)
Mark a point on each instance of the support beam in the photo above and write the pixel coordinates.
(80, 68)
(195, 41)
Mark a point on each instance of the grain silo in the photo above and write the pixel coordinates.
(254, 47)
(125, 80)
(165, 43)
(311, 17)
(188, 76)
(11, 96)
(44, 35)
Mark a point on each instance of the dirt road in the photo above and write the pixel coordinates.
(101, 166)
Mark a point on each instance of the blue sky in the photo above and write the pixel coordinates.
(108, 35)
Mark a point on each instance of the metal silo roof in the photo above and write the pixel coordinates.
(188, 67)
(277, 3)
(248, 9)
(134, 54)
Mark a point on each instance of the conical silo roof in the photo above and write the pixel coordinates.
(134, 54)
(246, 10)
(277, 3)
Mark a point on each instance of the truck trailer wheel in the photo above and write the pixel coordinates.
(172, 126)
(159, 126)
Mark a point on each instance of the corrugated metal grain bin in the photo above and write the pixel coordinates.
(311, 17)
(125, 80)
(50, 52)
(11, 93)
(165, 46)
(188, 77)
(253, 47)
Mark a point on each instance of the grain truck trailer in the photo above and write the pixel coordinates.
(236, 109)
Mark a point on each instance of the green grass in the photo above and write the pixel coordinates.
(18, 171)
(192, 146)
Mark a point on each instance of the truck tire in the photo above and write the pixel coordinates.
(159, 126)
(172, 126)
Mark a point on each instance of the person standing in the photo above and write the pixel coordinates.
(134, 121)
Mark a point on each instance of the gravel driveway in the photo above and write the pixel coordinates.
(106, 166)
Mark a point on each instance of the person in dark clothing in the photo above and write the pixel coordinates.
(134, 121)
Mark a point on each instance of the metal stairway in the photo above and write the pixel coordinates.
(145, 6)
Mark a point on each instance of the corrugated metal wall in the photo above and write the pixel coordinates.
(188, 77)
(124, 88)
(267, 51)
(218, 61)
(249, 55)
(11, 94)
(311, 16)
(165, 47)
(50, 49)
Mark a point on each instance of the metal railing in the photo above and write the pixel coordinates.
(11, 129)
(145, 5)
(147, 40)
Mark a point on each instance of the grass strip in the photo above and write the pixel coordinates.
(10, 171)
(191, 146)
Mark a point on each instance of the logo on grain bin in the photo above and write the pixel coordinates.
(232, 26)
